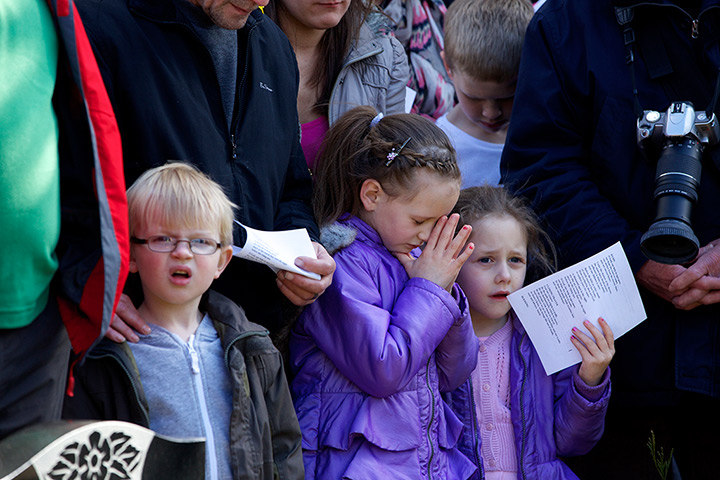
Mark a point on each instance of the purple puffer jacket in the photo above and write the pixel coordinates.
(371, 357)
(551, 415)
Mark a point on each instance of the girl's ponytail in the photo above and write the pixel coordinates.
(336, 181)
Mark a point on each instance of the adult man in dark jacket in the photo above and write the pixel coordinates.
(572, 149)
(213, 83)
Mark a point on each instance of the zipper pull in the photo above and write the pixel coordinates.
(193, 356)
(695, 29)
(234, 147)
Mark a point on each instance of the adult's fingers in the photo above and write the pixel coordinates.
(126, 322)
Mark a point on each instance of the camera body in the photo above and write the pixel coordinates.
(682, 135)
(679, 120)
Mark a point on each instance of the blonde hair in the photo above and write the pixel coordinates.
(179, 195)
(484, 38)
(478, 203)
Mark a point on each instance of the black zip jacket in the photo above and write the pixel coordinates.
(572, 149)
(162, 83)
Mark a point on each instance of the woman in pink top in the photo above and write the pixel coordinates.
(518, 420)
(347, 56)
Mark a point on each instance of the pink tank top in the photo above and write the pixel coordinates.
(313, 133)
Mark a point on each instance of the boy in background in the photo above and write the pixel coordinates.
(483, 41)
(204, 370)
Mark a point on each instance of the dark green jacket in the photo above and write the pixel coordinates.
(264, 432)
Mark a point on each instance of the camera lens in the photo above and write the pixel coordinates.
(670, 238)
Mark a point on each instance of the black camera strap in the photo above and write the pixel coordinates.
(624, 17)
(713, 103)
(654, 47)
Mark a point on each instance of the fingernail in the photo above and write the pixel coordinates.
(574, 329)
(465, 227)
(289, 276)
(299, 263)
(146, 330)
(586, 323)
(601, 319)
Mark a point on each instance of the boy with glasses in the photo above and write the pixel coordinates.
(204, 370)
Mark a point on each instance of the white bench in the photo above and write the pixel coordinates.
(86, 450)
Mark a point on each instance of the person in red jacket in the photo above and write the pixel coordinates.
(63, 212)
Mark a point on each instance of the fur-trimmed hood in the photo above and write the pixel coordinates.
(337, 236)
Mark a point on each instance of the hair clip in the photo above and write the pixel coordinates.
(391, 156)
(376, 119)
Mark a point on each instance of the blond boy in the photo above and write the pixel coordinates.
(204, 370)
(483, 41)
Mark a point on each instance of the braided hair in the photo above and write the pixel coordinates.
(390, 151)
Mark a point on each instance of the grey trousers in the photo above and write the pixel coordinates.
(33, 371)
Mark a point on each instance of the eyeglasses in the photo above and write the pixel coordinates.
(165, 244)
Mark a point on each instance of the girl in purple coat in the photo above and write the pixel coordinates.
(519, 420)
(372, 355)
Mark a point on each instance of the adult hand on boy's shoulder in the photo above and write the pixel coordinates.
(126, 322)
(301, 290)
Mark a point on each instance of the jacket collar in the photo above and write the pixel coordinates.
(517, 326)
(228, 318)
(167, 11)
(121, 351)
(704, 4)
(164, 11)
(365, 232)
(365, 46)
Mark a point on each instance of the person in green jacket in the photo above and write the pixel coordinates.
(64, 256)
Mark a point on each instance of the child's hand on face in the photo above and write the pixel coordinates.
(443, 256)
(596, 354)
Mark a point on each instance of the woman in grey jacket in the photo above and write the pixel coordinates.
(347, 56)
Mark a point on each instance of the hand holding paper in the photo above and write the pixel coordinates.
(600, 286)
(596, 351)
(301, 290)
(277, 250)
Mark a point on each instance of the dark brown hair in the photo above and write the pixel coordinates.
(355, 151)
(477, 203)
(334, 45)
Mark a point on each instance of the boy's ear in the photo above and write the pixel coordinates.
(224, 260)
(132, 264)
(370, 194)
(447, 69)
